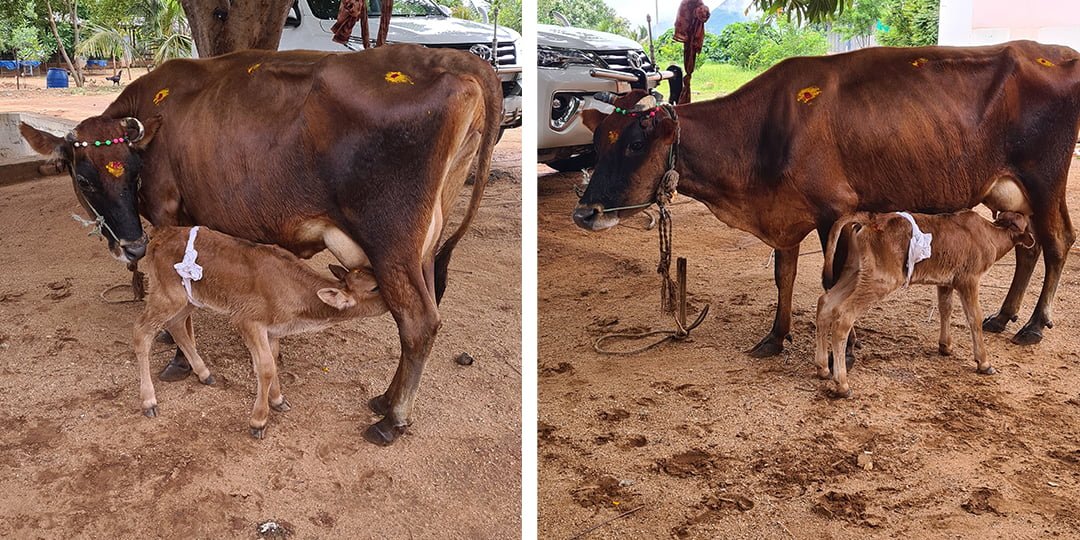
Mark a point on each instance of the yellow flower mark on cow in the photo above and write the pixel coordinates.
(808, 94)
(919, 62)
(253, 67)
(160, 96)
(1044, 62)
(612, 136)
(397, 77)
(115, 168)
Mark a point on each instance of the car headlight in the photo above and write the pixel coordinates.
(557, 58)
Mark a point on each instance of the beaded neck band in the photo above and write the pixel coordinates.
(651, 112)
(106, 142)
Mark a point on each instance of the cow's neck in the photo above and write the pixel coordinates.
(717, 149)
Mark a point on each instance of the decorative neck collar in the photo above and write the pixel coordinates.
(106, 142)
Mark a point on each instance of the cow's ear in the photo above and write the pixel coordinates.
(140, 133)
(43, 142)
(336, 298)
(664, 129)
(592, 118)
(339, 271)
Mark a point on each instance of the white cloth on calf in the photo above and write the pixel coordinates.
(918, 248)
(187, 268)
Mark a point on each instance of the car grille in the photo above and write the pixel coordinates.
(507, 51)
(619, 60)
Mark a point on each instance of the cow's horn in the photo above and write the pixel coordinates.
(605, 97)
(645, 103)
(130, 124)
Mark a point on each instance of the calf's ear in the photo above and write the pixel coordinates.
(43, 142)
(336, 298)
(592, 118)
(339, 271)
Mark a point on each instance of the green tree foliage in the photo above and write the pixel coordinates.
(593, 14)
(509, 13)
(800, 11)
(752, 45)
(20, 38)
(911, 23)
(859, 21)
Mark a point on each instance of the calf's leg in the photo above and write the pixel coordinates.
(944, 300)
(969, 297)
(265, 372)
(176, 370)
(184, 335)
(277, 399)
(158, 312)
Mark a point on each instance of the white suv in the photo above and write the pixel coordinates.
(574, 64)
(414, 21)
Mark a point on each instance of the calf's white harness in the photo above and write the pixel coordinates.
(918, 247)
(188, 269)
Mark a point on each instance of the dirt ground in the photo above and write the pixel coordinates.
(701, 441)
(78, 460)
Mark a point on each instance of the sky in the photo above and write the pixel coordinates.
(635, 10)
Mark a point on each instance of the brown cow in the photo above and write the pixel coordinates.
(963, 248)
(267, 292)
(359, 153)
(877, 129)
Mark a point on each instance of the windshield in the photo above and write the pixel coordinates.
(328, 9)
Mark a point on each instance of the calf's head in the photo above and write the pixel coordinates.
(1018, 227)
(359, 291)
(102, 157)
(632, 147)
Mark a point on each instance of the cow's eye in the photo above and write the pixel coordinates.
(84, 183)
(636, 146)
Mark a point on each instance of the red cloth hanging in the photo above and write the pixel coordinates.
(690, 31)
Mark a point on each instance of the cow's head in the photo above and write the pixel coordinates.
(102, 156)
(1018, 227)
(632, 148)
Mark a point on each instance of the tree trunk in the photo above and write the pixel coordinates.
(221, 26)
(80, 80)
(60, 42)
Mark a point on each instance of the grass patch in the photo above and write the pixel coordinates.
(713, 80)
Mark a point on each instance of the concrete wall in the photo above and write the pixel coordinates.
(982, 22)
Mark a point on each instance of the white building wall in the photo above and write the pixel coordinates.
(982, 22)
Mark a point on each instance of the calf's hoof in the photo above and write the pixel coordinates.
(209, 380)
(1027, 336)
(281, 407)
(988, 370)
(824, 373)
(258, 432)
(383, 432)
(997, 322)
(770, 345)
(379, 405)
(150, 412)
(836, 393)
(177, 370)
(164, 337)
(944, 350)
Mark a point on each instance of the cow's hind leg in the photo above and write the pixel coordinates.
(787, 261)
(406, 292)
(1025, 265)
(1054, 231)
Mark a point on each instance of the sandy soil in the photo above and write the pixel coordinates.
(710, 443)
(77, 460)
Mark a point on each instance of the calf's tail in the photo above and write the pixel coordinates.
(849, 220)
(493, 119)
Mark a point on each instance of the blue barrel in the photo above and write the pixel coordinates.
(56, 78)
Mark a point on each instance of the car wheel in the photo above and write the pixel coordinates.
(574, 164)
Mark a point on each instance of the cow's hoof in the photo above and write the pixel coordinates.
(258, 433)
(164, 337)
(383, 432)
(281, 407)
(177, 370)
(838, 394)
(997, 322)
(209, 381)
(379, 405)
(769, 346)
(150, 412)
(988, 371)
(1027, 336)
(944, 350)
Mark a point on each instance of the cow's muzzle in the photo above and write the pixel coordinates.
(593, 217)
(132, 250)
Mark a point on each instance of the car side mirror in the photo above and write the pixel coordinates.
(445, 10)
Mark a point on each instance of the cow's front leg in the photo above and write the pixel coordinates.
(787, 262)
(178, 368)
(407, 295)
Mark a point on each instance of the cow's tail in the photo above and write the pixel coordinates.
(492, 121)
(849, 220)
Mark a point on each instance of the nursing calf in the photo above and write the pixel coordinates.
(267, 292)
(964, 246)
